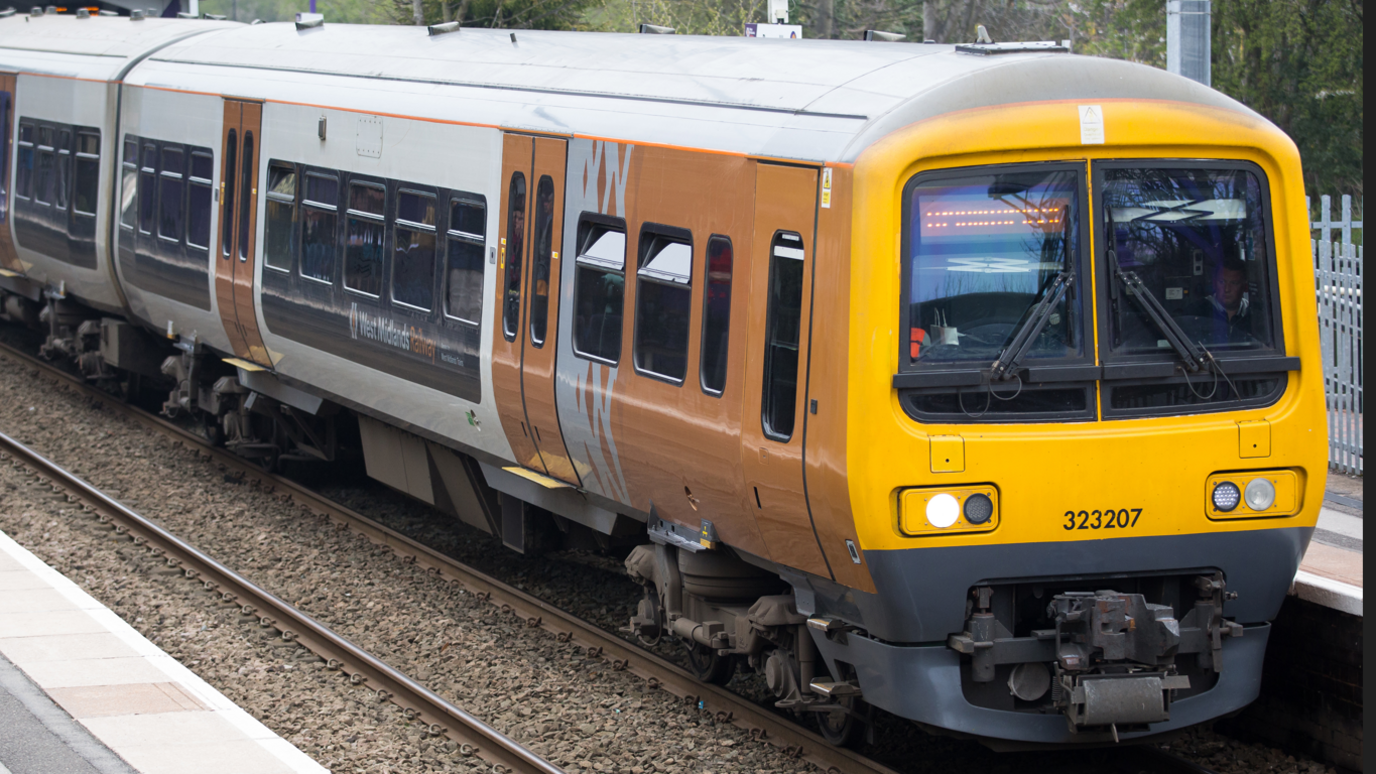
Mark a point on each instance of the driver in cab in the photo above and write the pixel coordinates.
(1226, 308)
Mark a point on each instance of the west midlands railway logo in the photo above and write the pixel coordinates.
(388, 333)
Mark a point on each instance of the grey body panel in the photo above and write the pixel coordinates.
(922, 592)
(922, 683)
(817, 100)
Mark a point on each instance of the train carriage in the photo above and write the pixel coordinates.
(976, 383)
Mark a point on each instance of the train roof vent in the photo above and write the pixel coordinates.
(136, 14)
(440, 29)
(1019, 47)
(880, 35)
(305, 21)
(655, 29)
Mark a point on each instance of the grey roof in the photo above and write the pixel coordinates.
(62, 44)
(821, 100)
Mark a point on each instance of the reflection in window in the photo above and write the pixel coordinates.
(540, 260)
(318, 228)
(87, 183)
(366, 235)
(63, 179)
(663, 304)
(515, 254)
(280, 230)
(413, 263)
(198, 201)
(43, 193)
(464, 273)
(246, 195)
(23, 172)
(599, 288)
(170, 194)
(148, 200)
(716, 314)
(782, 324)
(5, 124)
(1197, 239)
(984, 247)
(129, 184)
(227, 196)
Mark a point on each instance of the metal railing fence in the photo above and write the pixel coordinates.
(1338, 282)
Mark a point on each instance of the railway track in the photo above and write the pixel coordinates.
(438, 715)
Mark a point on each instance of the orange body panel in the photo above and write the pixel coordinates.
(237, 259)
(512, 256)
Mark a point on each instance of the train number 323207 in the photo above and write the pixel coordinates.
(1122, 518)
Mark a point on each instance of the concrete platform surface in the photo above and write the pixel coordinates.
(1331, 573)
(82, 691)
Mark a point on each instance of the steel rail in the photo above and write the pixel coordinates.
(419, 703)
(721, 704)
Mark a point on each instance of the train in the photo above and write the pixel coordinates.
(977, 384)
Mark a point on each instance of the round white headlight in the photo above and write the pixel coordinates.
(1226, 496)
(942, 511)
(1260, 494)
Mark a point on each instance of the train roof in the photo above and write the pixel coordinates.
(98, 47)
(815, 100)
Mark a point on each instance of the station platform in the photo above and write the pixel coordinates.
(82, 692)
(1331, 573)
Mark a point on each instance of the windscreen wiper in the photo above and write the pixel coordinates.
(1195, 356)
(1006, 366)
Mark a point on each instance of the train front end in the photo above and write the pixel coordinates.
(1086, 432)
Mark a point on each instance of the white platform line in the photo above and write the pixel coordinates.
(1340, 596)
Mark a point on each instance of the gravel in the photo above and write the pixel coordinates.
(575, 711)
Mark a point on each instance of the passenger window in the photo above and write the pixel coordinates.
(464, 272)
(599, 289)
(319, 228)
(170, 194)
(716, 315)
(246, 193)
(148, 175)
(540, 263)
(46, 166)
(23, 173)
(199, 189)
(663, 302)
(5, 124)
(367, 231)
(227, 196)
(63, 179)
(515, 252)
(413, 262)
(782, 323)
(280, 230)
(86, 188)
(129, 183)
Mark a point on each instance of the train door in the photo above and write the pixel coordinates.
(236, 256)
(774, 414)
(8, 259)
(527, 313)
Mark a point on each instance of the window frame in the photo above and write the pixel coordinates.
(594, 220)
(398, 222)
(63, 169)
(766, 370)
(1149, 360)
(193, 181)
(25, 191)
(125, 166)
(453, 234)
(308, 204)
(296, 200)
(381, 220)
(649, 234)
(164, 174)
(706, 293)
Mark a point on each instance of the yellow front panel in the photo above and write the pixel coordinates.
(1047, 473)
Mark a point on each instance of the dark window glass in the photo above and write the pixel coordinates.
(23, 173)
(246, 194)
(1002, 403)
(782, 324)
(983, 249)
(540, 259)
(43, 193)
(280, 230)
(45, 136)
(170, 204)
(716, 314)
(663, 305)
(464, 275)
(413, 262)
(63, 179)
(87, 183)
(1176, 394)
(319, 237)
(129, 184)
(199, 197)
(599, 288)
(1196, 238)
(4, 153)
(227, 196)
(366, 239)
(515, 254)
(148, 201)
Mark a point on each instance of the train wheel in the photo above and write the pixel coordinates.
(842, 729)
(709, 667)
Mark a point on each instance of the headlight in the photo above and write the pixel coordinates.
(1259, 494)
(1226, 496)
(978, 508)
(943, 510)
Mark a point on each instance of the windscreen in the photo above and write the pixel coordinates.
(984, 248)
(1196, 237)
